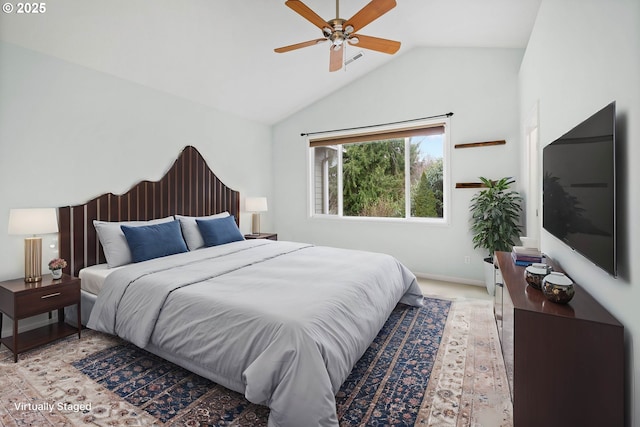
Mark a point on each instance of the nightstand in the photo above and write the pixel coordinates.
(20, 300)
(268, 236)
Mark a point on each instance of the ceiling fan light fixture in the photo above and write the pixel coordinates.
(349, 29)
(327, 31)
(337, 38)
(354, 40)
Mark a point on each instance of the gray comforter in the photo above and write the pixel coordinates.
(281, 322)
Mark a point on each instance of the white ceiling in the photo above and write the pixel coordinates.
(220, 53)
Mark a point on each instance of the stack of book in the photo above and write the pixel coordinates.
(525, 256)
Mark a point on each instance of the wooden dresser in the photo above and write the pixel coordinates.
(565, 363)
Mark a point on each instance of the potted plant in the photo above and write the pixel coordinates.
(495, 212)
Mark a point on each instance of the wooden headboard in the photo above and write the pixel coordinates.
(189, 188)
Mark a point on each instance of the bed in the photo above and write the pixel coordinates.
(281, 322)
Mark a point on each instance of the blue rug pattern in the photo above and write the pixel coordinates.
(386, 387)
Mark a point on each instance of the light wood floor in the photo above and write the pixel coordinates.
(437, 288)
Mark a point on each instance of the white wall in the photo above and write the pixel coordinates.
(68, 134)
(582, 55)
(478, 85)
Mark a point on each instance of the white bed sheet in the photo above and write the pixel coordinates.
(92, 278)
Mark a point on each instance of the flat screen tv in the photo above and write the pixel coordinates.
(579, 189)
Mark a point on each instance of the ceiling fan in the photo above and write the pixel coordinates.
(339, 31)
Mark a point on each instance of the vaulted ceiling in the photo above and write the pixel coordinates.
(220, 52)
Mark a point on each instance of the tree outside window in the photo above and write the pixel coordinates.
(399, 177)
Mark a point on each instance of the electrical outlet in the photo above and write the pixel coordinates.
(467, 259)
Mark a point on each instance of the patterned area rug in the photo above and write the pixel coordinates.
(436, 366)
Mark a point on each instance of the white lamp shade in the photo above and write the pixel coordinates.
(33, 221)
(256, 204)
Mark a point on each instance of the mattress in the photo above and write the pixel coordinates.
(92, 278)
(88, 300)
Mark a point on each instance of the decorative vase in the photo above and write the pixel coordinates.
(535, 273)
(57, 273)
(558, 288)
(490, 275)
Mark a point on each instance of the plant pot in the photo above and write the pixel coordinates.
(489, 275)
(56, 273)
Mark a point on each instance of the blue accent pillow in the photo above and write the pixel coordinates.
(219, 231)
(154, 241)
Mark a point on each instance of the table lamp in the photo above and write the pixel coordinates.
(256, 205)
(32, 222)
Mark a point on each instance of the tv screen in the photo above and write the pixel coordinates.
(579, 189)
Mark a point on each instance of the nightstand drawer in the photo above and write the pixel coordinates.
(46, 299)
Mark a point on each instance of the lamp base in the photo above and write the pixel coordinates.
(33, 259)
(255, 223)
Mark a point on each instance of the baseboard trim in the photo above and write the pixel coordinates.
(461, 280)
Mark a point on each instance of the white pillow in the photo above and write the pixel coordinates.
(191, 232)
(114, 244)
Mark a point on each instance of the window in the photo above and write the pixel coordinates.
(396, 172)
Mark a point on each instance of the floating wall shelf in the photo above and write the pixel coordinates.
(471, 145)
(480, 144)
(470, 185)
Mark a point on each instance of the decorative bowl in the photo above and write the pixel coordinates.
(558, 288)
(534, 274)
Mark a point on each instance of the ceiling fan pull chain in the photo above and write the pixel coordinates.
(344, 55)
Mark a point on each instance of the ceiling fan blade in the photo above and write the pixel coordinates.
(335, 59)
(308, 14)
(284, 49)
(375, 43)
(369, 13)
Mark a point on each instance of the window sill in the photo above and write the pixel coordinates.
(440, 222)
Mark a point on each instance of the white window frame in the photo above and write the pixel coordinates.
(446, 173)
